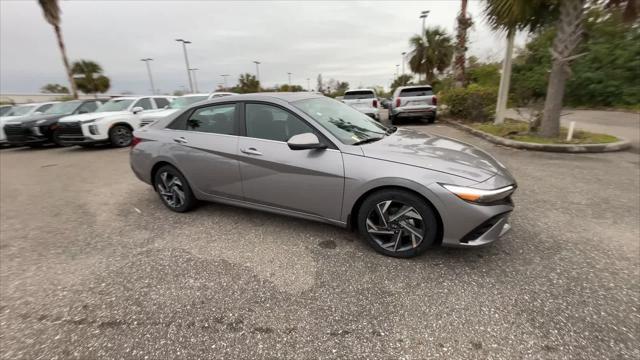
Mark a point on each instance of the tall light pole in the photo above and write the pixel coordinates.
(195, 79)
(397, 67)
(258, 73)
(224, 76)
(403, 54)
(423, 16)
(308, 84)
(146, 61)
(289, 75)
(186, 60)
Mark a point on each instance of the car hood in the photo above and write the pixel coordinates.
(436, 153)
(31, 120)
(91, 116)
(158, 114)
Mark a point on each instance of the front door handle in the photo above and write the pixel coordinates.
(251, 151)
(180, 140)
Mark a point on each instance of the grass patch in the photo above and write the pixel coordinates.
(519, 131)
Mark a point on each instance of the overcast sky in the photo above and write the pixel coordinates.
(358, 42)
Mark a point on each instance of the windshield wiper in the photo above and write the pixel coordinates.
(367, 140)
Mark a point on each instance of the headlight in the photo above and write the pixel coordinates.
(479, 195)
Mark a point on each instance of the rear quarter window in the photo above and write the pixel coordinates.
(354, 95)
(421, 91)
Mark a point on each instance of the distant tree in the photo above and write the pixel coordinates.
(247, 83)
(54, 89)
(402, 80)
(431, 53)
(483, 74)
(51, 11)
(178, 93)
(289, 88)
(337, 87)
(89, 78)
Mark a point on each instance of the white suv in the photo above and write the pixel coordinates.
(413, 102)
(363, 100)
(112, 123)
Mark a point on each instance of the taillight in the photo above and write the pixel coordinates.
(434, 100)
(135, 141)
(398, 102)
(375, 103)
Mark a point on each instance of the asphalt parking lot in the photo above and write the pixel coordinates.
(93, 266)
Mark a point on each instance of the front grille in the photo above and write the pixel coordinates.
(15, 129)
(70, 129)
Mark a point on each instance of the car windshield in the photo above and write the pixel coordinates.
(4, 110)
(349, 125)
(20, 110)
(63, 108)
(354, 95)
(183, 102)
(418, 91)
(115, 105)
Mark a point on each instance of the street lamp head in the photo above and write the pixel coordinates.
(257, 62)
(183, 41)
(146, 59)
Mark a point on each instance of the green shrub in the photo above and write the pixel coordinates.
(473, 103)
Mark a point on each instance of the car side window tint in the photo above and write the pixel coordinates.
(161, 102)
(89, 106)
(44, 108)
(144, 103)
(215, 119)
(273, 123)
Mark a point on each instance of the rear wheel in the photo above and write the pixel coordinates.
(397, 223)
(120, 136)
(173, 189)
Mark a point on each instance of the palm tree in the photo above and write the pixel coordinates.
(512, 15)
(51, 12)
(431, 53)
(464, 23)
(88, 76)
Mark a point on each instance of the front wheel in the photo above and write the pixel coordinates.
(173, 189)
(120, 136)
(397, 223)
(55, 137)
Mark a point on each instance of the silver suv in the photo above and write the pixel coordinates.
(413, 102)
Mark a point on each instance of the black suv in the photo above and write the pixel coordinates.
(38, 130)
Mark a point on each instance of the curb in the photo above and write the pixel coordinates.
(562, 148)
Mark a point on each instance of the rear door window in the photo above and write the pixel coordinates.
(215, 119)
(354, 95)
(418, 91)
(144, 104)
(161, 102)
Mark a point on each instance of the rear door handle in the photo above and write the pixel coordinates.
(251, 151)
(180, 140)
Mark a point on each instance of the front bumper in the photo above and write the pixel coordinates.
(19, 136)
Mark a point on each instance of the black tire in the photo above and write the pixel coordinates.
(427, 226)
(120, 136)
(184, 203)
(55, 137)
(392, 119)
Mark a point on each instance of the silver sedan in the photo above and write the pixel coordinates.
(312, 157)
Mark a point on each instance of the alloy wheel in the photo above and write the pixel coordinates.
(395, 226)
(171, 189)
(122, 136)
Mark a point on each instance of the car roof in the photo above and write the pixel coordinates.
(414, 86)
(359, 90)
(284, 96)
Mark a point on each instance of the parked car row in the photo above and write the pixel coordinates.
(407, 102)
(89, 122)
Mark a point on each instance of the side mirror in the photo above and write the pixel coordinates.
(137, 109)
(305, 141)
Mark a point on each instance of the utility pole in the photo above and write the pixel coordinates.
(397, 67)
(146, 61)
(289, 74)
(258, 73)
(423, 16)
(308, 84)
(195, 79)
(186, 60)
(224, 76)
(403, 54)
